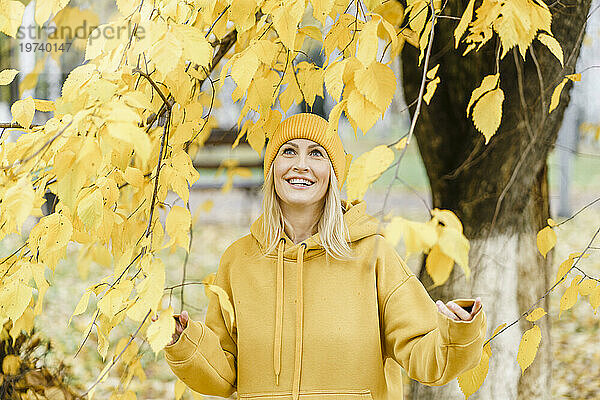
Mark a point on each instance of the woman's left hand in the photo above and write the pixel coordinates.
(456, 312)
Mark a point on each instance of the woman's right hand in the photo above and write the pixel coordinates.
(181, 322)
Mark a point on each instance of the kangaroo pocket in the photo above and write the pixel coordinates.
(347, 394)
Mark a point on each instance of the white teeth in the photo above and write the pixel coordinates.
(300, 181)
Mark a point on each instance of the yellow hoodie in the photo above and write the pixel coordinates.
(308, 326)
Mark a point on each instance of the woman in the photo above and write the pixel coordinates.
(320, 298)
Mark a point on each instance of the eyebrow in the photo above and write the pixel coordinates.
(312, 146)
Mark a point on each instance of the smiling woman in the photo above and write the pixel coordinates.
(321, 301)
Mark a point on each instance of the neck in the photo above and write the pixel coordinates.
(301, 222)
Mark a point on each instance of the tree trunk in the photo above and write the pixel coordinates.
(507, 178)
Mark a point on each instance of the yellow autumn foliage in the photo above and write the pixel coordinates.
(129, 120)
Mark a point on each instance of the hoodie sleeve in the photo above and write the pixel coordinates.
(204, 356)
(432, 348)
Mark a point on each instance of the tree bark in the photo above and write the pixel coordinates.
(499, 190)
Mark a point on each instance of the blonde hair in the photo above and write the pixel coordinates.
(333, 232)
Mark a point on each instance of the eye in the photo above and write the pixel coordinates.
(316, 153)
(288, 150)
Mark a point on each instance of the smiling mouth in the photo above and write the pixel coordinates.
(300, 182)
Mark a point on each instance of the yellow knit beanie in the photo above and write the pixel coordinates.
(311, 127)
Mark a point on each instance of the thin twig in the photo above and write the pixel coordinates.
(547, 291)
(166, 101)
(417, 110)
(577, 213)
(48, 143)
(187, 257)
(114, 361)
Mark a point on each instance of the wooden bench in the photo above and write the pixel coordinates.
(221, 138)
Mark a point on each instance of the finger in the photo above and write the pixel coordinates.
(184, 318)
(459, 311)
(444, 310)
(476, 306)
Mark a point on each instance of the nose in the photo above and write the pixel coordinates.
(300, 164)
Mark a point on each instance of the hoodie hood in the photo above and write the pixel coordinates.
(360, 225)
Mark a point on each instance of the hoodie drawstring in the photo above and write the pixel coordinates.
(277, 343)
(299, 320)
(278, 313)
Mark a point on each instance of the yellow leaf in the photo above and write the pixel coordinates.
(22, 111)
(401, 143)
(447, 218)
(244, 68)
(552, 223)
(556, 94)
(546, 239)
(471, 380)
(574, 77)
(241, 13)
(286, 18)
(430, 90)
(17, 201)
(366, 169)
(418, 236)
(488, 83)
(418, 15)
(462, 26)
(528, 347)
(43, 9)
(11, 17)
(487, 113)
(178, 226)
(341, 33)
(166, 52)
(115, 299)
(552, 44)
(535, 314)
(24, 323)
(81, 305)
(566, 265)
(134, 135)
(377, 83)
(334, 117)
(195, 46)
(8, 75)
(134, 177)
(433, 72)
(424, 40)
(362, 111)
(438, 266)
(44, 105)
(15, 296)
(333, 79)
(11, 364)
(150, 291)
(455, 245)
(587, 287)
(321, 9)
(159, 333)
(50, 237)
(225, 304)
(179, 389)
(126, 7)
(595, 298)
(569, 298)
(90, 210)
(367, 43)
